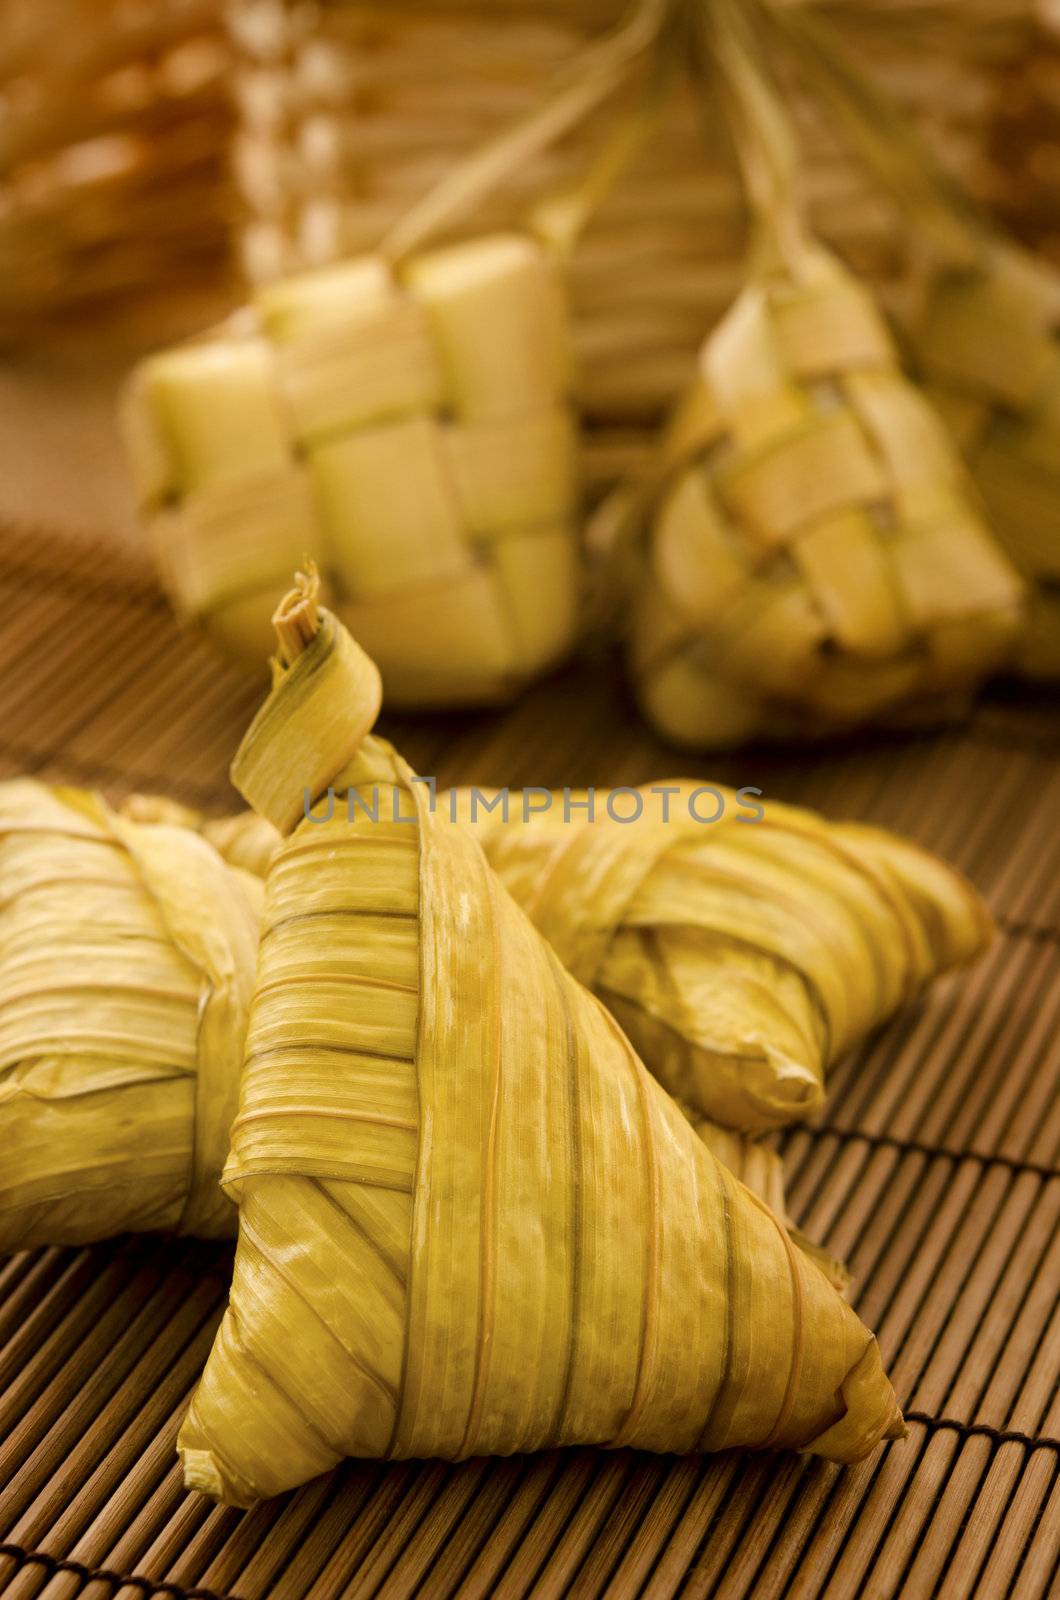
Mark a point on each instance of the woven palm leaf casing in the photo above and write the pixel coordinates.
(760, 1168)
(741, 957)
(126, 966)
(810, 558)
(408, 428)
(982, 319)
(470, 1221)
(105, 1125)
(987, 342)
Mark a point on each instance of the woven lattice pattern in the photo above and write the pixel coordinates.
(988, 344)
(114, 125)
(411, 433)
(814, 559)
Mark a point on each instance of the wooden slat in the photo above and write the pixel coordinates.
(972, 1067)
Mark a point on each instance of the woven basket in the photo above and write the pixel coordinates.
(115, 118)
(345, 118)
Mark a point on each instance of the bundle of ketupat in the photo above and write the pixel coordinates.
(983, 322)
(739, 959)
(470, 1221)
(127, 954)
(742, 955)
(405, 420)
(126, 967)
(805, 555)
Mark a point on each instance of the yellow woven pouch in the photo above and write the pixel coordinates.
(405, 420)
(805, 554)
(982, 318)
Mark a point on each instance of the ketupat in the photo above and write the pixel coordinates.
(741, 957)
(804, 555)
(408, 426)
(590, 892)
(127, 955)
(470, 1221)
(982, 318)
(404, 419)
(126, 967)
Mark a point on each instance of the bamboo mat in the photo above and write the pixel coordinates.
(934, 1172)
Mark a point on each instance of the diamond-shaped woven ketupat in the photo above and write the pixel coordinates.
(404, 419)
(407, 427)
(987, 340)
(808, 554)
(814, 557)
(983, 322)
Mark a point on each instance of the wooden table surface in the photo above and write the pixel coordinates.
(934, 1173)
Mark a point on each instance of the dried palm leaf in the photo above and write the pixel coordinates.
(806, 553)
(126, 967)
(759, 1167)
(741, 957)
(983, 321)
(244, 840)
(123, 1122)
(470, 1221)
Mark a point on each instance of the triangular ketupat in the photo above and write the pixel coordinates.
(126, 970)
(123, 1031)
(470, 1220)
(742, 945)
(127, 959)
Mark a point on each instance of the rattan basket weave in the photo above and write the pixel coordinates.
(349, 110)
(115, 117)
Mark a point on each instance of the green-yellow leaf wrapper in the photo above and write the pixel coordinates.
(470, 1220)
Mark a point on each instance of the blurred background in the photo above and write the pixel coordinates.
(160, 157)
